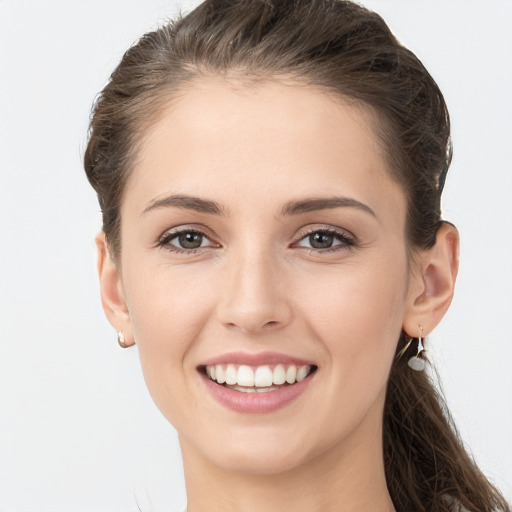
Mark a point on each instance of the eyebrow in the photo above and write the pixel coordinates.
(291, 208)
(187, 203)
(314, 204)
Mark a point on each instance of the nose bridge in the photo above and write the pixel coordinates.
(253, 295)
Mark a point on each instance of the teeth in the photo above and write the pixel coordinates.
(220, 374)
(231, 375)
(261, 379)
(243, 390)
(245, 376)
(291, 374)
(279, 375)
(302, 372)
(266, 390)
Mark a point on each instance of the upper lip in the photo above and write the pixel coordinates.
(258, 359)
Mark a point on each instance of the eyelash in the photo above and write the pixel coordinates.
(346, 240)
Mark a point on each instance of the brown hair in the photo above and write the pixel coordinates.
(343, 48)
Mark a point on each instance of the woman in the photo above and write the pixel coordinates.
(270, 177)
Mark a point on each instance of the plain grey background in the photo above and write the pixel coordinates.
(78, 430)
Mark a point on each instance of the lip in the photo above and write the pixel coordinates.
(259, 359)
(256, 403)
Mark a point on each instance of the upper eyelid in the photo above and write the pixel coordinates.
(303, 232)
(184, 228)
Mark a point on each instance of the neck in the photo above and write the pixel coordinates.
(348, 478)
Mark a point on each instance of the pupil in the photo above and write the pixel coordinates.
(190, 240)
(321, 240)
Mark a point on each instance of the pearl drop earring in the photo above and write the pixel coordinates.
(416, 362)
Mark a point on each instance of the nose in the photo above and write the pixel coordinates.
(254, 296)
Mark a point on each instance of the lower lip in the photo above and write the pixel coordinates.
(256, 403)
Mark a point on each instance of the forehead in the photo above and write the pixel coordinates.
(218, 108)
(232, 140)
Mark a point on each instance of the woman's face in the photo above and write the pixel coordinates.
(261, 229)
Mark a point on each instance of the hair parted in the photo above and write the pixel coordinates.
(348, 51)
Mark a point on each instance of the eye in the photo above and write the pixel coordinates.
(186, 240)
(321, 240)
(326, 239)
(189, 240)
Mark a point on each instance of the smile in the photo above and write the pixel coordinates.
(265, 378)
(256, 384)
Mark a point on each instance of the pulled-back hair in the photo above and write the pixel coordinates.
(346, 50)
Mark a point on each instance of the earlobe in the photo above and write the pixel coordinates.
(111, 290)
(432, 286)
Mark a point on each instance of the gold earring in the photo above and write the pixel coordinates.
(416, 362)
(121, 340)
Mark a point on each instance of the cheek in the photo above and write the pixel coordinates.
(357, 313)
(355, 316)
(168, 310)
(162, 307)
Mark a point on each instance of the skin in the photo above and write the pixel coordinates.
(258, 285)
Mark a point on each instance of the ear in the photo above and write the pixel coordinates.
(432, 282)
(111, 290)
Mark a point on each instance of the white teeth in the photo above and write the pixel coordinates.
(243, 390)
(231, 374)
(265, 390)
(252, 389)
(291, 374)
(220, 374)
(245, 376)
(302, 372)
(261, 379)
(279, 375)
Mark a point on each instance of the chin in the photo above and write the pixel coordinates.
(261, 462)
(253, 451)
